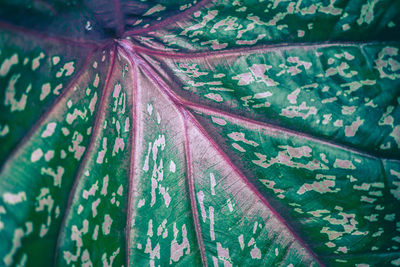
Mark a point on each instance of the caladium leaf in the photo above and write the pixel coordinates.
(214, 133)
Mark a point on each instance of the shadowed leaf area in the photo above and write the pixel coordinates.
(200, 133)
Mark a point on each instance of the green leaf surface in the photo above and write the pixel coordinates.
(200, 133)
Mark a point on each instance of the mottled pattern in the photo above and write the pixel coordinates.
(338, 92)
(200, 133)
(93, 20)
(100, 199)
(141, 15)
(234, 24)
(36, 180)
(237, 228)
(162, 231)
(317, 187)
(33, 73)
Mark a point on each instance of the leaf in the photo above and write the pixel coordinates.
(214, 133)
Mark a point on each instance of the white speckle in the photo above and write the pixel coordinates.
(255, 253)
(218, 121)
(13, 199)
(16, 105)
(150, 108)
(159, 142)
(88, 26)
(153, 191)
(153, 252)
(200, 197)
(101, 154)
(230, 206)
(36, 61)
(107, 263)
(176, 248)
(241, 242)
(251, 242)
(56, 90)
(57, 212)
(18, 235)
(107, 224)
(23, 260)
(65, 131)
(172, 167)
(119, 145)
(238, 147)
(7, 64)
(161, 227)
(223, 254)
(71, 117)
(85, 259)
(126, 129)
(158, 118)
(94, 207)
(117, 90)
(396, 262)
(68, 69)
(76, 147)
(154, 9)
(212, 183)
(212, 233)
(95, 232)
(292, 97)
(92, 190)
(57, 176)
(215, 261)
(141, 203)
(36, 155)
(80, 209)
(96, 80)
(344, 164)
(255, 227)
(45, 91)
(167, 199)
(351, 130)
(146, 161)
(43, 230)
(55, 60)
(4, 130)
(92, 103)
(49, 129)
(215, 97)
(396, 135)
(120, 190)
(44, 199)
(150, 228)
